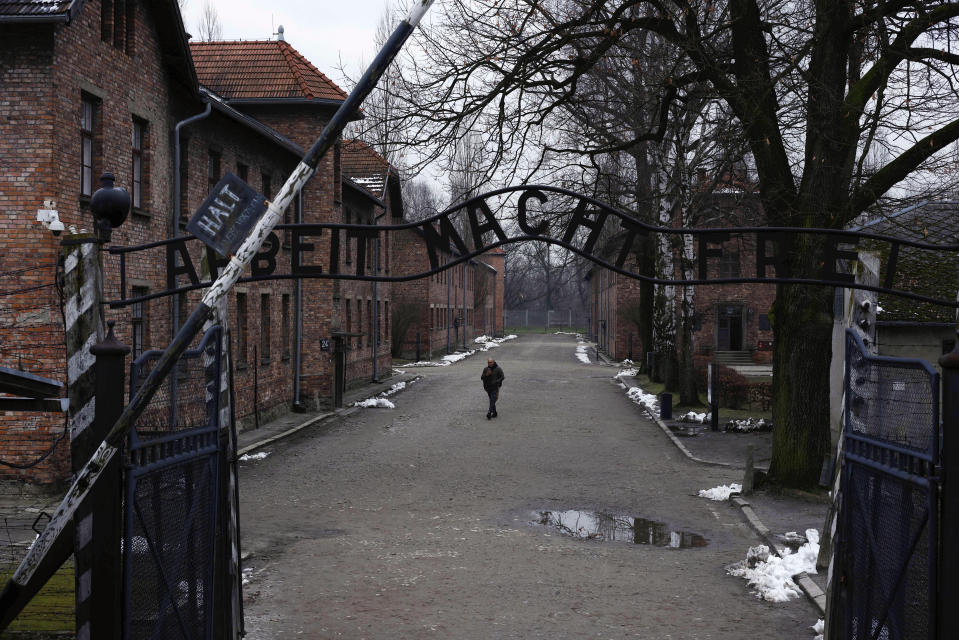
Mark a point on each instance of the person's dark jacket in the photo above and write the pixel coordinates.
(492, 377)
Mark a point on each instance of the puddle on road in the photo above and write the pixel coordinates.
(612, 527)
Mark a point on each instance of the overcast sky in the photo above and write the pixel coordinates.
(325, 31)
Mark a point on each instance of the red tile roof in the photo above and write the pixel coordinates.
(364, 166)
(260, 69)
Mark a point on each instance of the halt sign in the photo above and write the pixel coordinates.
(228, 215)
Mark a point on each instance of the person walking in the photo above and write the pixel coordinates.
(492, 381)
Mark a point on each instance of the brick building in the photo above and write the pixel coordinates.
(115, 85)
(371, 195)
(446, 311)
(731, 321)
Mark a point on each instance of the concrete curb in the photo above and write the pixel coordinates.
(345, 411)
(672, 436)
(813, 593)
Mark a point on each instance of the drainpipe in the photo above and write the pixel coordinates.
(376, 272)
(175, 231)
(298, 355)
(464, 305)
(175, 223)
(177, 187)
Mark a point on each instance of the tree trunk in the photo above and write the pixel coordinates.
(802, 351)
(688, 394)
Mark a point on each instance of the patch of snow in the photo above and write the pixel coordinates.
(627, 373)
(819, 628)
(565, 333)
(694, 418)
(643, 399)
(250, 457)
(456, 357)
(721, 492)
(748, 425)
(375, 402)
(399, 386)
(771, 576)
(581, 353)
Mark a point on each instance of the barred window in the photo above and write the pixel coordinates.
(89, 118)
(138, 180)
(138, 321)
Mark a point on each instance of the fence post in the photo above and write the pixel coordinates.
(104, 507)
(82, 292)
(949, 495)
(713, 393)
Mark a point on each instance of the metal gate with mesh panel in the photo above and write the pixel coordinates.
(887, 538)
(171, 500)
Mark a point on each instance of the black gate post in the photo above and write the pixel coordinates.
(105, 503)
(949, 496)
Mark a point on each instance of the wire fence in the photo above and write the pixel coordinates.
(559, 319)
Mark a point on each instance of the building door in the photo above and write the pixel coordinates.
(729, 333)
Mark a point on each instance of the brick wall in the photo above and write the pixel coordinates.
(32, 333)
(46, 72)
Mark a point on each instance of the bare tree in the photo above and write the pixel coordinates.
(816, 87)
(420, 200)
(209, 27)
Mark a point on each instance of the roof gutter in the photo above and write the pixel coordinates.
(51, 19)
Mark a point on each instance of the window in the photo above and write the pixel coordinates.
(241, 329)
(89, 121)
(243, 171)
(138, 321)
(138, 180)
(267, 189)
(349, 241)
(212, 169)
(359, 321)
(285, 327)
(729, 264)
(184, 180)
(265, 327)
(369, 323)
(349, 321)
(764, 322)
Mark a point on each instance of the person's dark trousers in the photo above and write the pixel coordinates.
(493, 395)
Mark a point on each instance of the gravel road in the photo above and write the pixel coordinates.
(419, 522)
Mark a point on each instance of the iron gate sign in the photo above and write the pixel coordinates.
(228, 214)
(578, 228)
